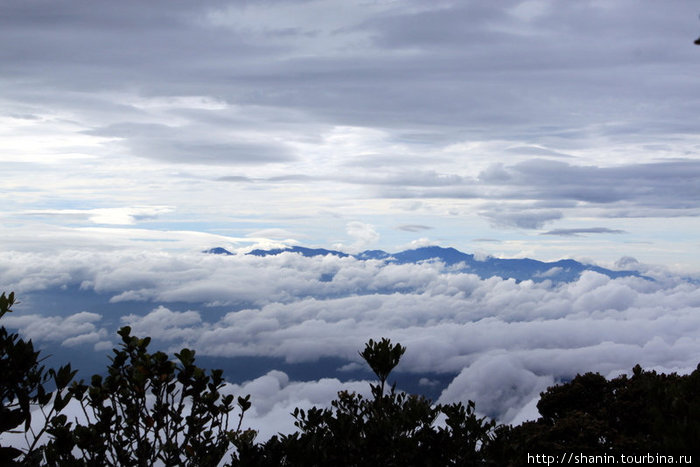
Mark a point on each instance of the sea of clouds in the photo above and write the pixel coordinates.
(506, 341)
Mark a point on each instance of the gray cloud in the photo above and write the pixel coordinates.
(662, 189)
(234, 178)
(174, 144)
(577, 232)
(413, 227)
(536, 151)
(243, 84)
(505, 216)
(664, 184)
(380, 65)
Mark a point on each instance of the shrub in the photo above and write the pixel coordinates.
(24, 394)
(147, 410)
(392, 429)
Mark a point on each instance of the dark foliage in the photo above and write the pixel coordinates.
(148, 410)
(647, 412)
(23, 391)
(394, 429)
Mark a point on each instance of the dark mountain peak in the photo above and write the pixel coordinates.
(218, 251)
(308, 252)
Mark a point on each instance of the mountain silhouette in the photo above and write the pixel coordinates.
(520, 269)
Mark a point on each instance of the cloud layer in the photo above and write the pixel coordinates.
(506, 341)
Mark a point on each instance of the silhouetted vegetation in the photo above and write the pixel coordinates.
(393, 429)
(147, 410)
(647, 412)
(151, 410)
(23, 391)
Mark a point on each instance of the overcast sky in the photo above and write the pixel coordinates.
(546, 129)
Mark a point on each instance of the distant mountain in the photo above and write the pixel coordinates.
(565, 270)
(310, 252)
(373, 254)
(218, 251)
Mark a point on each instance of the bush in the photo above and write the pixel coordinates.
(23, 393)
(146, 410)
(393, 429)
(645, 413)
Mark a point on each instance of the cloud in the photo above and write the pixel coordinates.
(275, 233)
(550, 272)
(505, 341)
(164, 324)
(576, 232)
(110, 216)
(184, 145)
(536, 151)
(502, 386)
(274, 397)
(413, 227)
(655, 184)
(521, 218)
(75, 329)
(531, 193)
(282, 55)
(364, 235)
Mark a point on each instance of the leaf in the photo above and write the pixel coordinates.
(7, 454)
(10, 419)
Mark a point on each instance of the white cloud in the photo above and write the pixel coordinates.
(75, 329)
(502, 386)
(274, 397)
(363, 234)
(527, 334)
(113, 216)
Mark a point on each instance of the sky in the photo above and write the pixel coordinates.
(531, 128)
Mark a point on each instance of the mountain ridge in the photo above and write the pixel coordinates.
(520, 269)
